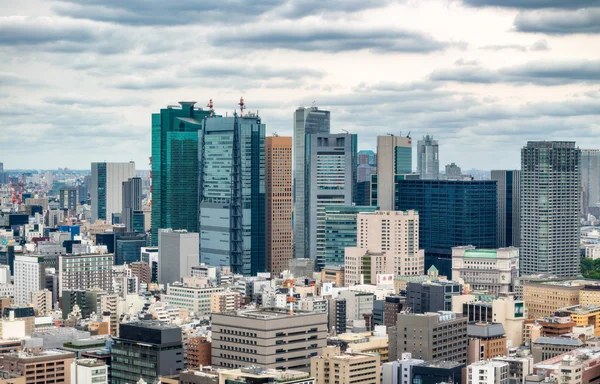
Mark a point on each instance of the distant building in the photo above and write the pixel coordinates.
(198, 352)
(132, 204)
(394, 157)
(157, 348)
(68, 198)
(545, 298)
(29, 276)
(84, 272)
(106, 188)
(428, 161)
(194, 298)
(333, 367)
(544, 348)
(264, 337)
(128, 247)
(431, 296)
(178, 252)
(453, 172)
(508, 207)
(311, 121)
(590, 178)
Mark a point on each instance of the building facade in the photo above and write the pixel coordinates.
(279, 203)
(132, 204)
(231, 152)
(29, 276)
(428, 161)
(394, 157)
(69, 198)
(590, 178)
(451, 213)
(84, 272)
(490, 270)
(550, 208)
(49, 366)
(488, 372)
(178, 252)
(330, 181)
(333, 367)
(196, 299)
(508, 207)
(175, 167)
(431, 296)
(307, 121)
(107, 190)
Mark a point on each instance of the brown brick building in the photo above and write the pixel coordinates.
(48, 367)
(198, 352)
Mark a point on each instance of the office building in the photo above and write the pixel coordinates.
(194, 294)
(132, 204)
(232, 193)
(550, 208)
(518, 367)
(590, 179)
(428, 161)
(29, 276)
(86, 371)
(367, 156)
(333, 367)
(278, 182)
(438, 371)
(107, 190)
(583, 315)
(486, 340)
(341, 231)
(491, 270)
(225, 301)
(49, 366)
(333, 274)
(544, 298)
(392, 306)
(197, 352)
(488, 372)
(357, 304)
(431, 296)
(544, 348)
(394, 157)
(330, 181)
(177, 253)
(307, 121)
(150, 256)
(508, 207)
(85, 272)
(258, 375)
(399, 371)
(146, 350)
(128, 247)
(175, 131)
(68, 198)
(451, 213)
(426, 336)
(273, 338)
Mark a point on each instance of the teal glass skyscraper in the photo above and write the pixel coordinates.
(175, 167)
(340, 231)
(231, 155)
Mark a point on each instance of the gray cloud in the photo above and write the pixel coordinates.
(538, 73)
(9, 79)
(328, 39)
(556, 22)
(540, 45)
(229, 70)
(534, 4)
(86, 101)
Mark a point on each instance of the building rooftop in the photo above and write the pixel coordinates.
(559, 341)
(441, 364)
(256, 372)
(46, 354)
(90, 362)
(485, 329)
(488, 363)
(150, 324)
(582, 309)
(269, 313)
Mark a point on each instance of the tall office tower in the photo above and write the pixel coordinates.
(29, 276)
(3, 176)
(550, 206)
(340, 231)
(330, 181)
(278, 181)
(451, 213)
(106, 191)
(367, 156)
(177, 254)
(175, 167)
(394, 157)
(68, 198)
(590, 179)
(508, 207)
(387, 242)
(83, 272)
(307, 121)
(146, 350)
(132, 203)
(232, 193)
(428, 161)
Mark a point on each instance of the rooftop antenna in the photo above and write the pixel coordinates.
(210, 108)
(347, 133)
(314, 104)
(390, 134)
(242, 106)
(275, 134)
(408, 135)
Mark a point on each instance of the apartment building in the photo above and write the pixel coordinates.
(333, 367)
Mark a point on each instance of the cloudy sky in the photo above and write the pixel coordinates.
(79, 79)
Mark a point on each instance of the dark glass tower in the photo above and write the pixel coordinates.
(231, 155)
(451, 213)
(508, 207)
(175, 167)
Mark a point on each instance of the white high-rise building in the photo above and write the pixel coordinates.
(29, 276)
(428, 160)
(488, 372)
(178, 252)
(106, 191)
(388, 241)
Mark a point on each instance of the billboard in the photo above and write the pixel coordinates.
(519, 309)
(385, 279)
(327, 289)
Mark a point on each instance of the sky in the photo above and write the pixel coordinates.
(79, 79)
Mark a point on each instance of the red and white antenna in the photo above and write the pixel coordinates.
(242, 106)
(210, 108)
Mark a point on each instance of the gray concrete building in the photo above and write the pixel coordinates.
(508, 207)
(550, 208)
(269, 337)
(394, 157)
(544, 348)
(85, 272)
(431, 296)
(178, 252)
(132, 202)
(431, 336)
(306, 121)
(428, 160)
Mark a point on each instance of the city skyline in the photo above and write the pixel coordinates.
(100, 69)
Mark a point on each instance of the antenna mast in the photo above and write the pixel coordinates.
(242, 106)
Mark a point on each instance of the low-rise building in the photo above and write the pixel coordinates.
(486, 340)
(543, 298)
(438, 371)
(489, 270)
(544, 348)
(49, 366)
(333, 367)
(225, 301)
(89, 371)
(399, 371)
(585, 314)
(194, 298)
(259, 375)
(518, 367)
(488, 372)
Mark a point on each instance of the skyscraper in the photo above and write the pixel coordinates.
(175, 167)
(69, 198)
(367, 156)
(107, 189)
(132, 202)
(508, 207)
(590, 178)
(306, 121)
(428, 161)
(550, 206)
(177, 254)
(278, 180)
(330, 181)
(232, 193)
(394, 157)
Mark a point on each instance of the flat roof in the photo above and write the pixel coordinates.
(268, 313)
